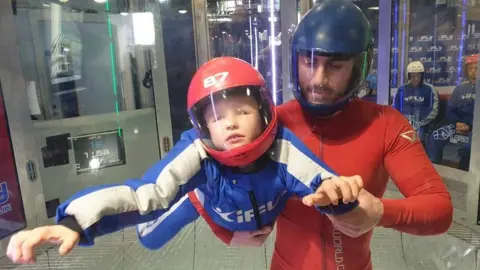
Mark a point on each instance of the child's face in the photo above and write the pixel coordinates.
(233, 122)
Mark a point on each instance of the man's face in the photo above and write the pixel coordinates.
(323, 79)
(233, 122)
(472, 71)
(415, 79)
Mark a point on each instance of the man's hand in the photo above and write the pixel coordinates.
(250, 239)
(334, 189)
(462, 128)
(362, 219)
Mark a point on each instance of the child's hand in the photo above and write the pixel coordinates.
(334, 189)
(21, 248)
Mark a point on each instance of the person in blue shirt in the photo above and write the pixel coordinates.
(237, 168)
(457, 127)
(462, 102)
(371, 88)
(417, 100)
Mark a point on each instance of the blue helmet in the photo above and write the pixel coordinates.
(372, 81)
(338, 29)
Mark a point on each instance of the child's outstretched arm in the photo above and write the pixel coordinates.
(100, 210)
(105, 209)
(305, 173)
(153, 234)
(156, 233)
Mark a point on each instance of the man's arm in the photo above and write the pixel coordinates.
(427, 207)
(105, 209)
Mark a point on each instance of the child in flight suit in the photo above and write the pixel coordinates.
(457, 127)
(417, 100)
(236, 168)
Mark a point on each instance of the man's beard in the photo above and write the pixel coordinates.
(320, 95)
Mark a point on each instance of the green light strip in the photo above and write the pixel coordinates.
(112, 63)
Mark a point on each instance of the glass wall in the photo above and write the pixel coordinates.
(371, 10)
(69, 77)
(434, 74)
(249, 30)
(63, 69)
(178, 36)
(98, 91)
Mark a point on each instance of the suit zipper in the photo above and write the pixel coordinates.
(322, 230)
(256, 211)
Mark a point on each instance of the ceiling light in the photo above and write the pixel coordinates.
(143, 28)
(373, 8)
(182, 11)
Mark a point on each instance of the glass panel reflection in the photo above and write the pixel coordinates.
(84, 58)
(90, 68)
(371, 11)
(249, 30)
(437, 89)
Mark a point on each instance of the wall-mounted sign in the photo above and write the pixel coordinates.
(98, 150)
(12, 215)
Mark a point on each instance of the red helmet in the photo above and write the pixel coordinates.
(232, 110)
(471, 59)
(468, 61)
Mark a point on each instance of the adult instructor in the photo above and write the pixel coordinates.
(331, 53)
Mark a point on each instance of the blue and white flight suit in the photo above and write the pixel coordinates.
(419, 105)
(162, 200)
(459, 110)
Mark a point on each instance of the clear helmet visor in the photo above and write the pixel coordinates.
(323, 78)
(232, 118)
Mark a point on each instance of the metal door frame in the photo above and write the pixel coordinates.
(384, 51)
(288, 22)
(19, 122)
(473, 200)
(201, 33)
(160, 85)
